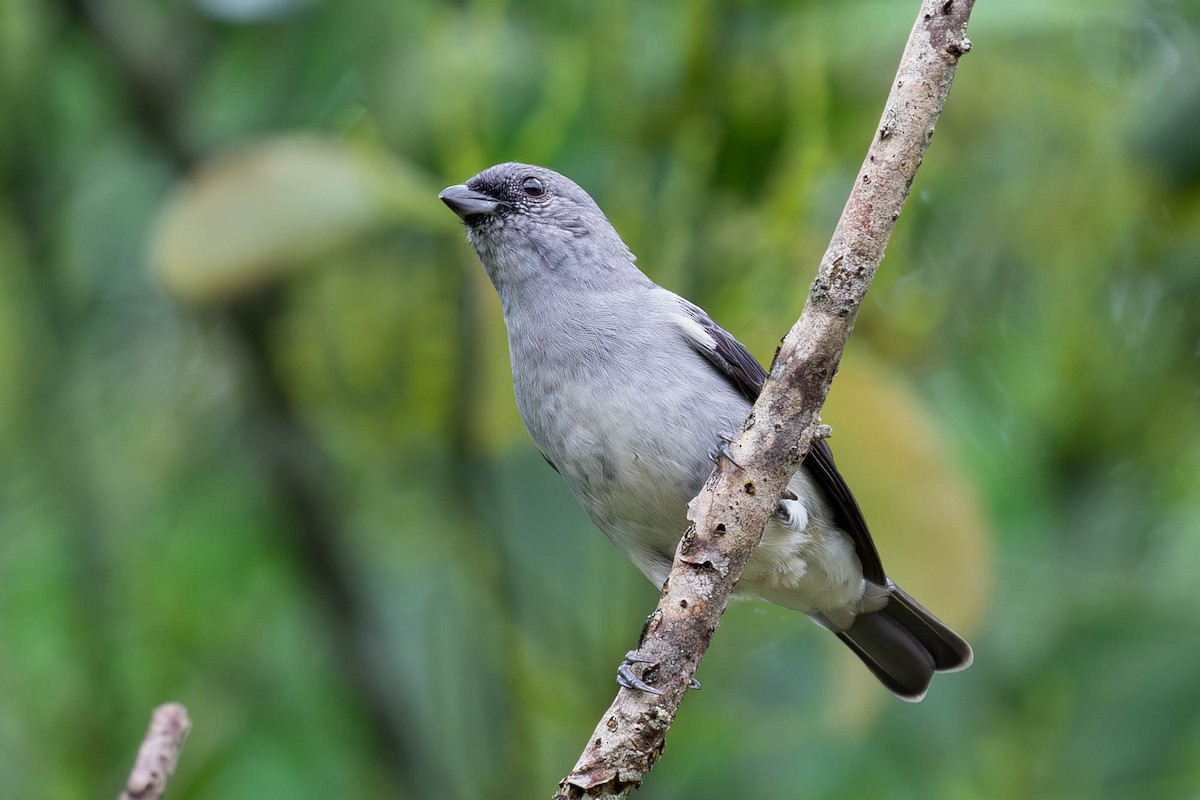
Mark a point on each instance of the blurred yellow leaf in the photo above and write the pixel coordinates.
(924, 514)
(249, 217)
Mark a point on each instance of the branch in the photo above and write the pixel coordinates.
(159, 753)
(731, 511)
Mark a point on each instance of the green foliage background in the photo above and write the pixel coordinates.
(1039, 307)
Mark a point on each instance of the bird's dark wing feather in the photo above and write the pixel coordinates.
(727, 354)
(743, 371)
(845, 508)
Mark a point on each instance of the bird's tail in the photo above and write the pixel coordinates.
(903, 645)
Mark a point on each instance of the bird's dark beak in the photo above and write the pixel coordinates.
(466, 203)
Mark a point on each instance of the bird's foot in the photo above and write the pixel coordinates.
(627, 680)
(722, 449)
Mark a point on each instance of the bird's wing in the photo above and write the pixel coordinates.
(846, 511)
(726, 353)
(743, 371)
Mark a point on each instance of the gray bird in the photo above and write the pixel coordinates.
(631, 392)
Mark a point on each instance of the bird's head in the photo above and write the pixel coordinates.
(527, 222)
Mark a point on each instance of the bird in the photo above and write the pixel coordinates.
(631, 393)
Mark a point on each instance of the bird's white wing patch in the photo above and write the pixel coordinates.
(724, 352)
(695, 332)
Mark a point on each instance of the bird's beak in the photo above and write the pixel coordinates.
(466, 203)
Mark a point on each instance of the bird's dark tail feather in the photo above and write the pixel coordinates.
(903, 645)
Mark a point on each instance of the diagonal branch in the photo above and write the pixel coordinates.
(731, 511)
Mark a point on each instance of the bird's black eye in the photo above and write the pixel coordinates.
(533, 187)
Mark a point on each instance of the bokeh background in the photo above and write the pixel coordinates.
(259, 453)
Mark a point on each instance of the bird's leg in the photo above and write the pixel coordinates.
(626, 679)
(722, 449)
(790, 511)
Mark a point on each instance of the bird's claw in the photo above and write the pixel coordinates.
(723, 449)
(627, 680)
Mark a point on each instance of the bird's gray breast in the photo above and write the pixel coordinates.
(627, 411)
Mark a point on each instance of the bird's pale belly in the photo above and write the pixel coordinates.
(812, 569)
(634, 469)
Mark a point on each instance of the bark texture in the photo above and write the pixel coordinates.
(159, 753)
(729, 514)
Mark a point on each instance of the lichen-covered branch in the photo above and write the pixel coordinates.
(731, 511)
(159, 754)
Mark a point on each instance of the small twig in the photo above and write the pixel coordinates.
(731, 511)
(159, 753)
